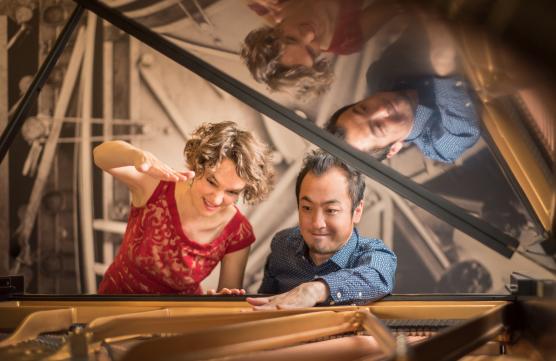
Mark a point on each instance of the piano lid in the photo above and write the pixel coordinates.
(479, 151)
(483, 126)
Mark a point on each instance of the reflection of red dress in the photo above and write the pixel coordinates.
(157, 257)
(347, 38)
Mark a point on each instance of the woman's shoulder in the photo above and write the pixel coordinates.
(158, 189)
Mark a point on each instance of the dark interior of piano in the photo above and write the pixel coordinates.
(464, 193)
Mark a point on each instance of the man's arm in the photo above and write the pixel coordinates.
(372, 277)
(455, 128)
(306, 294)
(268, 285)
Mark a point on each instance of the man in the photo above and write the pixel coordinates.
(325, 260)
(415, 98)
(288, 52)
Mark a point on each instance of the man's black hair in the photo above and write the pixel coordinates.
(319, 162)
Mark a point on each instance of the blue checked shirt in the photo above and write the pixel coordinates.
(361, 271)
(445, 123)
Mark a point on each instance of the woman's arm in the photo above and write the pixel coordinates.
(138, 169)
(232, 269)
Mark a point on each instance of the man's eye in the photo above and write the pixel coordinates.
(332, 211)
(358, 109)
(306, 208)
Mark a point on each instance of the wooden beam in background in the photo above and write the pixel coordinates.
(4, 169)
(86, 164)
(48, 154)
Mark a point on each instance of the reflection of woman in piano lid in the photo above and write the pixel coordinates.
(288, 52)
(182, 224)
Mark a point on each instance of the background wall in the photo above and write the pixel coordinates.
(61, 219)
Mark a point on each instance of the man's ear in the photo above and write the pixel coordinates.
(358, 212)
(394, 149)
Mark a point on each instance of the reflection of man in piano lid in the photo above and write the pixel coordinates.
(415, 98)
(288, 53)
(325, 260)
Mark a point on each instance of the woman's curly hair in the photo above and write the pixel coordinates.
(211, 143)
(261, 52)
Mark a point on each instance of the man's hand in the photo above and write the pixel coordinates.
(227, 291)
(305, 295)
(146, 162)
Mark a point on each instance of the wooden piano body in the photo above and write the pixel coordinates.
(420, 327)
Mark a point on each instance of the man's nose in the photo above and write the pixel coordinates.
(379, 113)
(318, 220)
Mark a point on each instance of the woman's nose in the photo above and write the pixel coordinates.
(307, 33)
(217, 198)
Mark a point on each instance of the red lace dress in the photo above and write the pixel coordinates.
(157, 257)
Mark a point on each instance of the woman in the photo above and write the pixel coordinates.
(287, 53)
(182, 224)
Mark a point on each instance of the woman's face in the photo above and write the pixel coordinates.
(217, 189)
(307, 29)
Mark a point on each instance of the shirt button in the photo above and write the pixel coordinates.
(339, 294)
(459, 83)
(468, 104)
(426, 82)
(360, 294)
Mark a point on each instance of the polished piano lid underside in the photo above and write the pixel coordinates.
(421, 328)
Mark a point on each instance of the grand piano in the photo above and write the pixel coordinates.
(494, 283)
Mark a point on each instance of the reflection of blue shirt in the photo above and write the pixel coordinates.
(361, 271)
(445, 123)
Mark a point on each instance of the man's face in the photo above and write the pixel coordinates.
(378, 121)
(325, 217)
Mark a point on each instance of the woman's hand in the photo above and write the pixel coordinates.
(227, 291)
(145, 162)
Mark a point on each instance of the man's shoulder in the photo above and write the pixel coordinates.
(369, 243)
(291, 234)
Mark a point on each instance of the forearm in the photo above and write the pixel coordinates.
(442, 48)
(373, 278)
(115, 154)
(232, 269)
(318, 290)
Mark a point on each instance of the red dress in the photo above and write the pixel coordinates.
(157, 257)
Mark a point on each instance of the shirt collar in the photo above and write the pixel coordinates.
(420, 119)
(341, 257)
